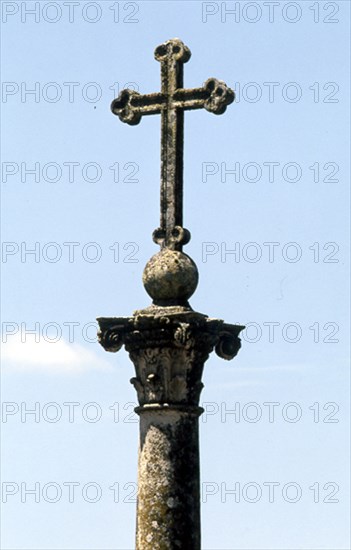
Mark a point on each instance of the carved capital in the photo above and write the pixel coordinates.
(169, 347)
(169, 367)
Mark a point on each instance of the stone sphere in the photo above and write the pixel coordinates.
(171, 276)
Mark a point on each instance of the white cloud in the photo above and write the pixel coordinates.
(59, 357)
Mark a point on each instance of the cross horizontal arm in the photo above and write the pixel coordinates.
(214, 96)
(190, 99)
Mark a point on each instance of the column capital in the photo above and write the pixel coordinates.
(169, 347)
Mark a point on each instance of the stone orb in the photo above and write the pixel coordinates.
(170, 276)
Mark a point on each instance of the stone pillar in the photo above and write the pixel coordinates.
(168, 342)
(169, 346)
(168, 512)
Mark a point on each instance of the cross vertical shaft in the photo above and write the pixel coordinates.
(172, 139)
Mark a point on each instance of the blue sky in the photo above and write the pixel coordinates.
(270, 242)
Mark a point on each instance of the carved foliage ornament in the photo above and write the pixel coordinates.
(169, 355)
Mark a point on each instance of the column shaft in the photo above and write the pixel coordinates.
(169, 479)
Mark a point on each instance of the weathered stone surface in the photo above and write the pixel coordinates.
(170, 277)
(171, 103)
(168, 342)
(169, 346)
(174, 327)
(168, 508)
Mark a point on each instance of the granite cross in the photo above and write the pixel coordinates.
(171, 103)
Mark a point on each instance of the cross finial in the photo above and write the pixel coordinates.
(171, 103)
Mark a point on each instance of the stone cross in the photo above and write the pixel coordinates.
(168, 342)
(171, 102)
